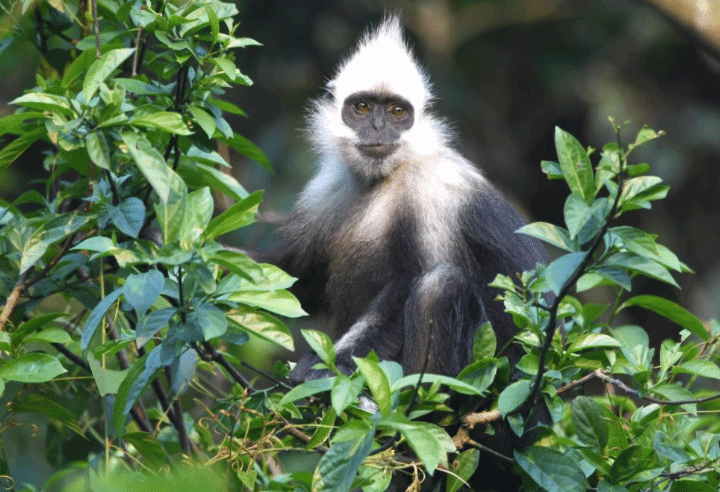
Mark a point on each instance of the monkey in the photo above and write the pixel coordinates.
(396, 237)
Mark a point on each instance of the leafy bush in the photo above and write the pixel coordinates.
(122, 312)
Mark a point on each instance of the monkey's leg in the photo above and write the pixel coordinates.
(442, 314)
(379, 329)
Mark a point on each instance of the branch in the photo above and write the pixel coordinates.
(579, 270)
(209, 353)
(468, 422)
(139, 419)
(25, 282)
(96, 22)
(619, 384)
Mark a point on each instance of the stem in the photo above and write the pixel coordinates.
(579, 270)
(96, 23)
(24, 282)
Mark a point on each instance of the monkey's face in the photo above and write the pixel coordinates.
(377, 122)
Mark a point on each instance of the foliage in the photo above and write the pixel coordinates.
(122, 312)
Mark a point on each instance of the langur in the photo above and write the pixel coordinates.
(397, 236)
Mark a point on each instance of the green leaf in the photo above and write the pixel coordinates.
(51, 232)
(209, 319)
(430, 446)
(239, 215)
(264, 326)
(100, 244)
(206, 122)
(462, 469)
(143, 289)
(237, 263)
(280, 302)
(485, 343)
(321, 344)
(14, 124)
(452, 383)
(152, 322)
(338, 467)
(643, 266)
(551, 469)
(308, 388)
(630, 336)
(559, 271)
(102, 68)
(703, 368)
(107, 380)
(324, 428)
(675, 392)
(632, 461)
(127, 395)
(592, 341)
(200, 206)
(671, 311)
(163, 120)
(551, 234)
(140, 88)
(31, 368)
(645, 135)
(513, 396)
(480, 374)
(690, 485)
(14, 149)
(46, 102)
(98, 149)
(345, 392)
(37, 404)
(590, 426)
(96, 316)
(149, 448)
(584, 221)
(50, 335)
(245, 147)
(128, 216)
(32, 325)
(575, 165)
(552, 169)
(377, 382)
(164, 181)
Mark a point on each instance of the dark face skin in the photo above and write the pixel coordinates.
(378, 121)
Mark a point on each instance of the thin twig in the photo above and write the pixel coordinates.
(96, 22)
(26, 281)
(619, 384)
(577, 273)
(141, 422)
(208, 352)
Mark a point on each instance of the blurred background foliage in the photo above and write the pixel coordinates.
(505, 73)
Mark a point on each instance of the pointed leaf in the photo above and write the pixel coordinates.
(672, 311)
(591, 428)
(575, 165)
(96, 315)
(31, 368)
(551, 469)
(235, 217)
(377, 382)
(551, 234)
(102, 68)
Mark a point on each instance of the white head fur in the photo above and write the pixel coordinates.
(384, 64)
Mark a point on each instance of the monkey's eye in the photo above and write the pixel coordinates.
(362, 107)
(397, 110)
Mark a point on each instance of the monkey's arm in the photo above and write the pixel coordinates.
(380, 329)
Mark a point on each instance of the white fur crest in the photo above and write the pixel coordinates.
(383, 62)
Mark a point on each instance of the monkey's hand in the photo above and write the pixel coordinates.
(304, 371)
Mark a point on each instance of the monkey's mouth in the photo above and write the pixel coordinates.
(377, 150)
